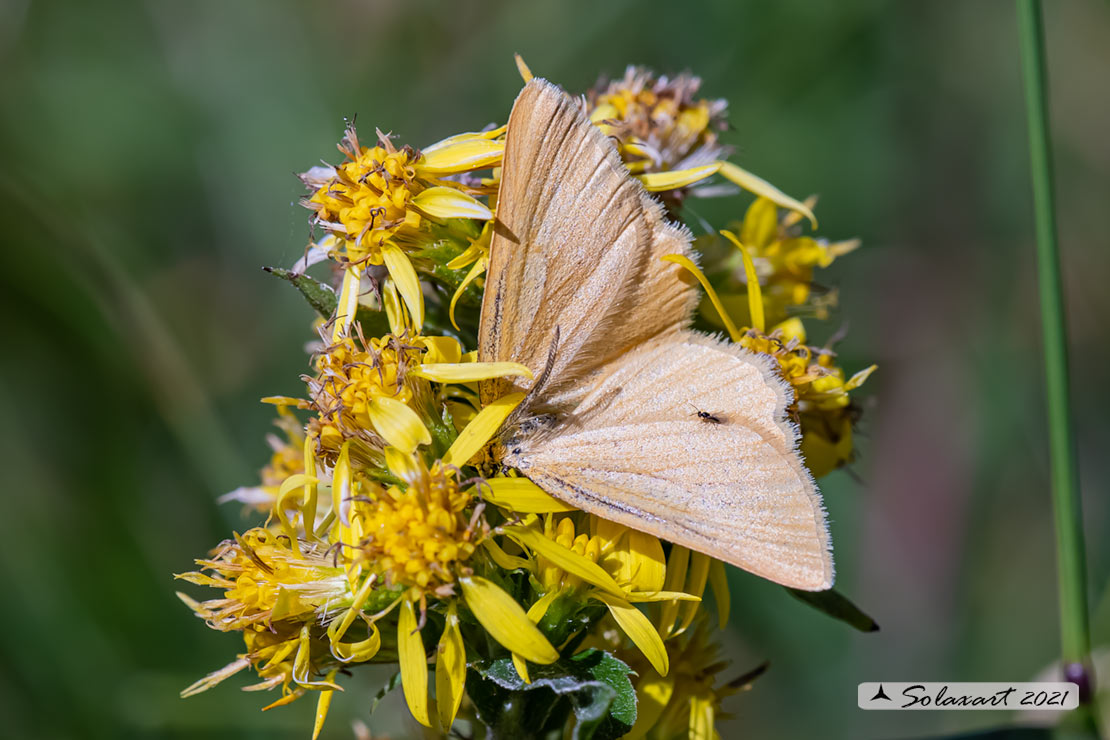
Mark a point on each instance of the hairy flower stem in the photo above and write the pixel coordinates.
(1071, 563)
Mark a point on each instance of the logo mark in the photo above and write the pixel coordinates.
(880, 694)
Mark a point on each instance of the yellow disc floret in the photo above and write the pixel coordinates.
(366, 201)
(416, 537)
(350, 374)
(659, 122)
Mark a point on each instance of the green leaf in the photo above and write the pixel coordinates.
(319, 295)
(323, 299)
(593, 686)
(391, 684)
(833, 603)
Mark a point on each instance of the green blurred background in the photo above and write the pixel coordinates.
(146, 160)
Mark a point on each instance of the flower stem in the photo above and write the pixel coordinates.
(1071, 563)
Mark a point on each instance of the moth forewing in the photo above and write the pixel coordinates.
(575, 246)
(575, 253)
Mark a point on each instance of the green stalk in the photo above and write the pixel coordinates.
(1070, 552)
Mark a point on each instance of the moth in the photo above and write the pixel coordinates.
(576, 291)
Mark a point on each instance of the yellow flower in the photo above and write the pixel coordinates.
(393, 391)
(613, 565)
(418, 537)
(660, 123)
(668, 137)
(379, 204)
(784, 260)
(262, 576)
(355, 378)
(416, 540)
(822, 405)
(280, 598)
(687, 701)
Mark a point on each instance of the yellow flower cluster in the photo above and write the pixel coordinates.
(822, 404)
(384, 516)
(659, 122)
(415, 538)
(785, 261)
(275, 596)
(352, 375)
(368, 198)
(668, 137)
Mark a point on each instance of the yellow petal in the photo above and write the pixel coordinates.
(647, 563)
(521, 666)
(687, 263)
(641, 597)
(761, 223)
(450, 670)
(214, 677)
(286, 700)
(755, 293)
(341, 486)
(414, 664)
(565, 558)
(393, 310)
(475, 273)
(338, 628)
(463, 154)
(535, 613)
(311, 491)
(444, 202)
(469, 372)
(465, 136)
(695, 586)
(296, 403)
(297, 480)
(653, 693)
(639, 629)
(322, 706)
(792, 328)
(468, 256)
(520, 495)
(408, 284)
(401, 464)
(676, 580)
(857, 380)
(642, 149)
(525, 73)
(293, 490)
(505, 620)
(481, 429)
(302, 663)
(347, 306)
(658, 181)
(701, 718)
(504, 559)
(718, 579)
(761, 187)
(398, 424)
(442, 349)
(361, 651)
(839, 249)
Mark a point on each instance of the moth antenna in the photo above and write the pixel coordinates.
(537, 387)
(546, 373)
